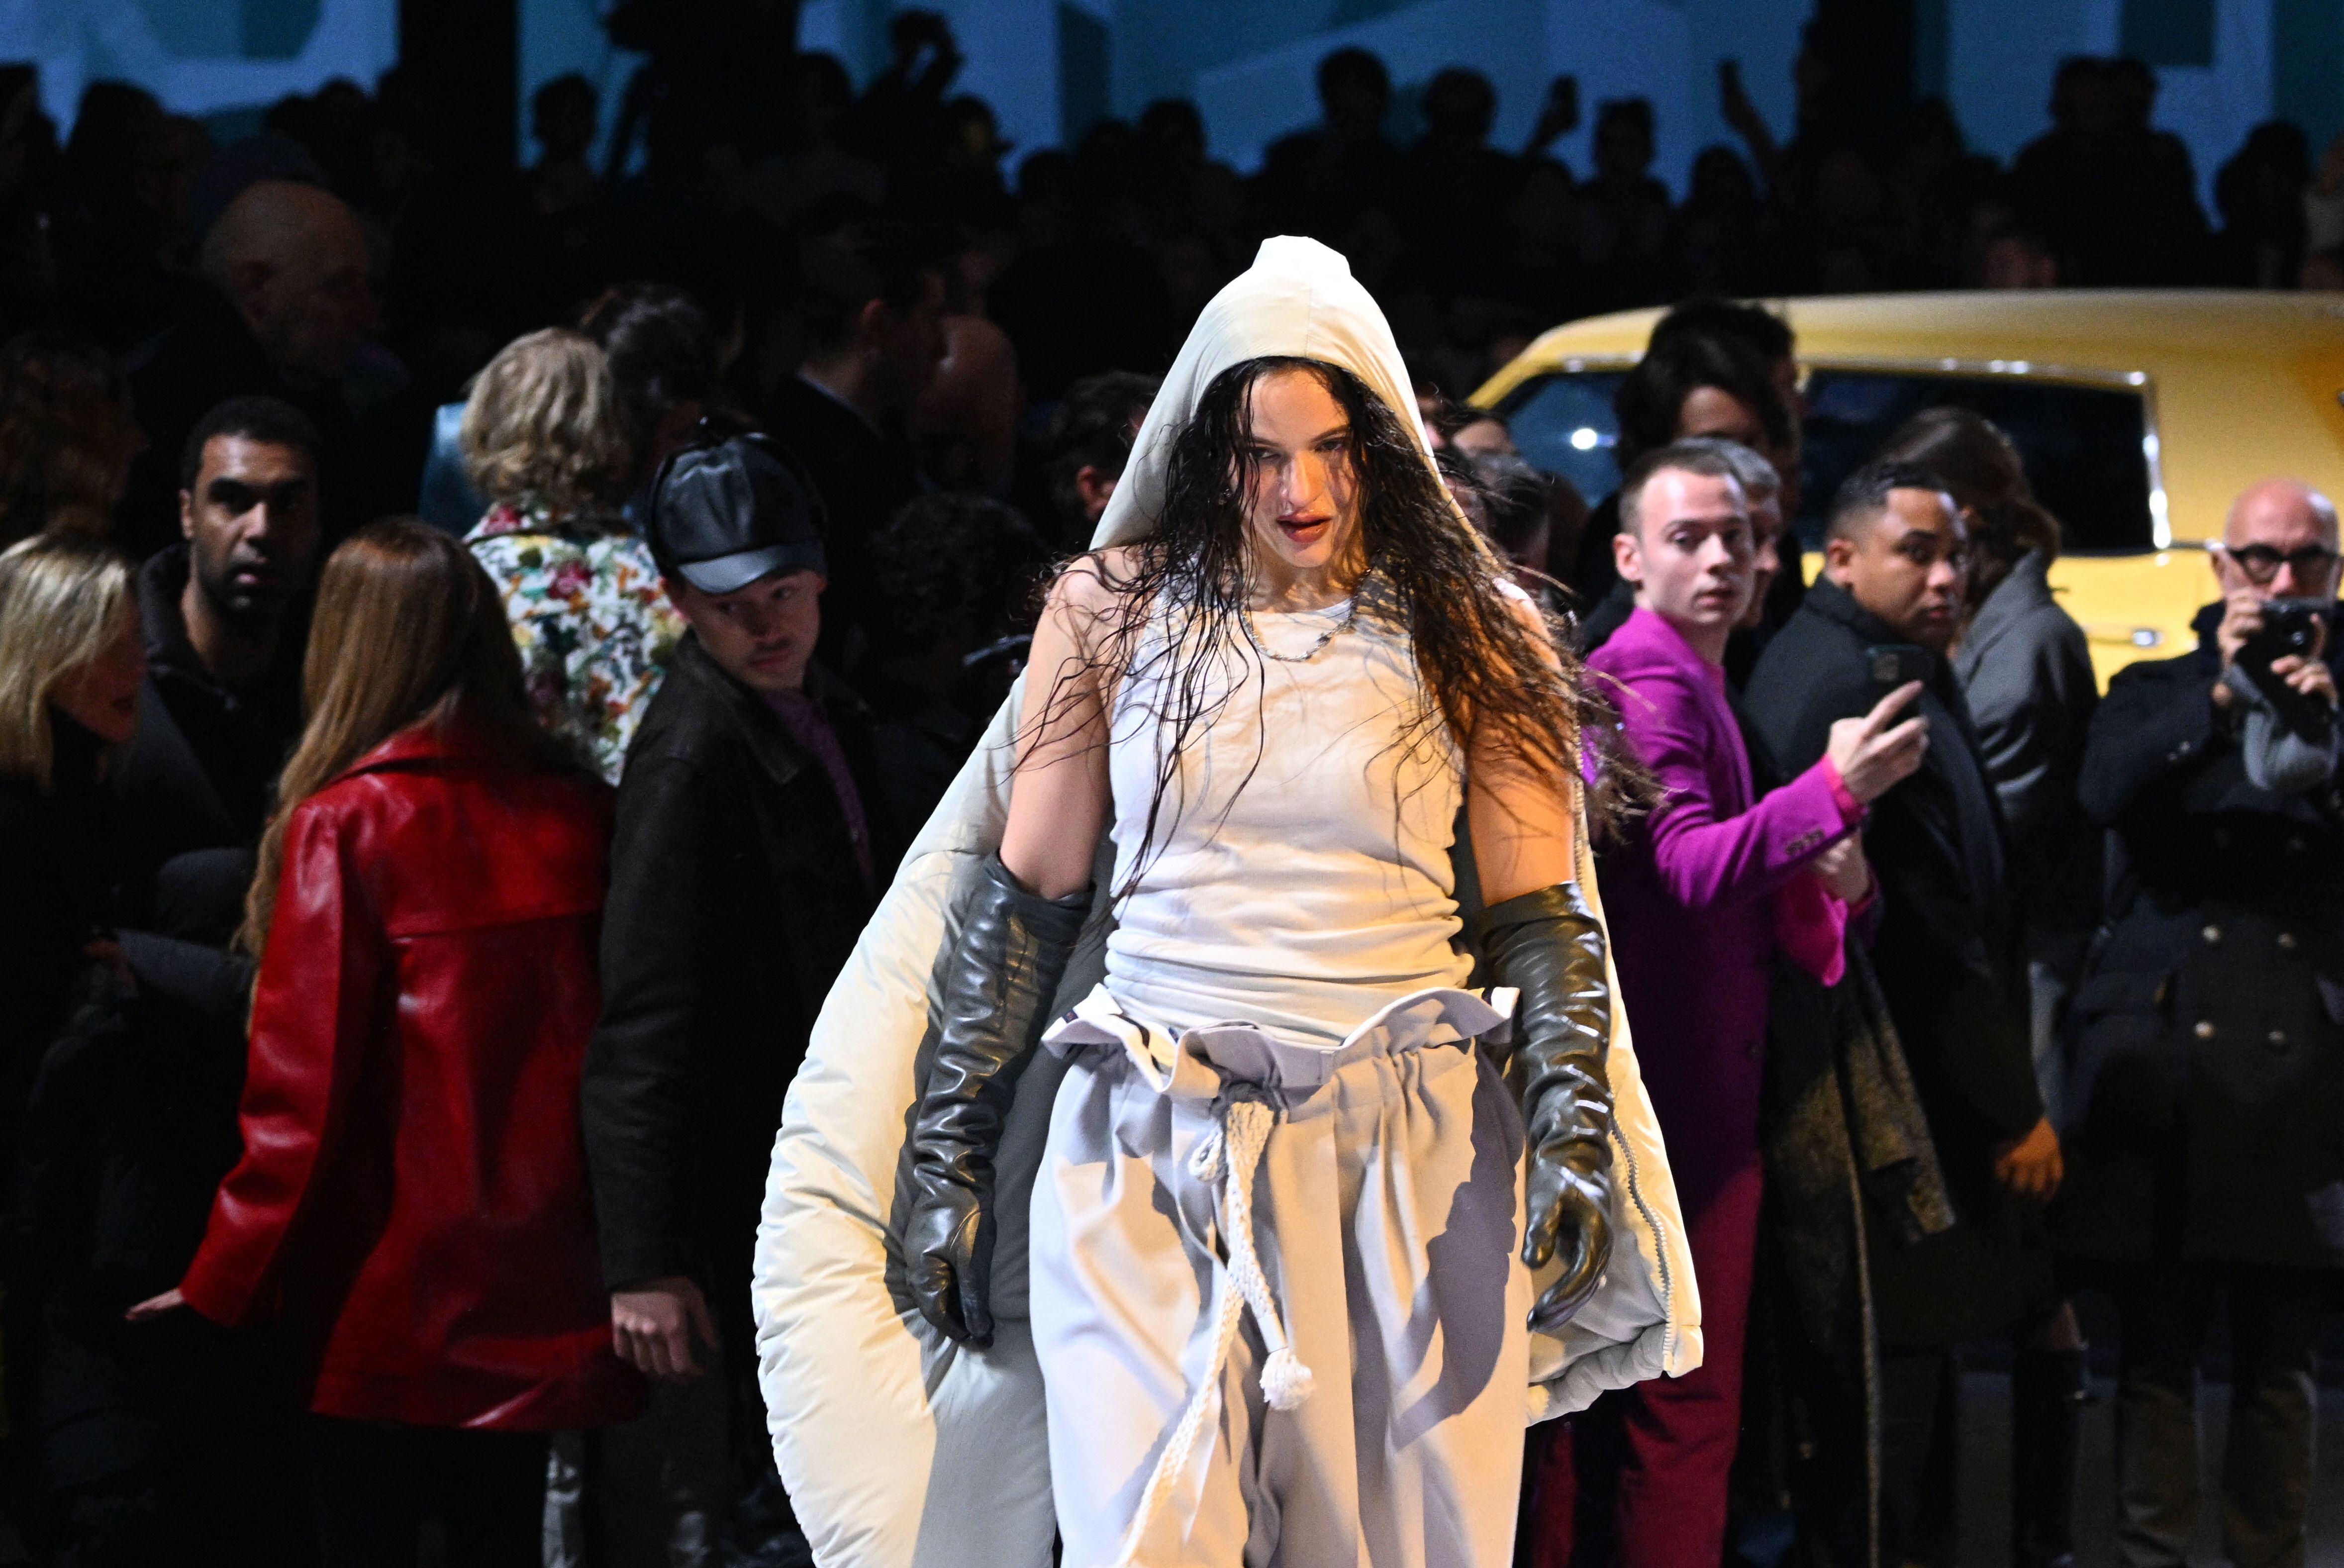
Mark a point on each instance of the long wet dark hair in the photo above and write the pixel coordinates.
(1427, 575)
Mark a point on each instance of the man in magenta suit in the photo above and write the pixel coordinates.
(1700, 893)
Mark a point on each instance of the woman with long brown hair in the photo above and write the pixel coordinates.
(1315, 1220)
(412, 1207)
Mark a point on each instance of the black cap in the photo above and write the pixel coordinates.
(727, 513)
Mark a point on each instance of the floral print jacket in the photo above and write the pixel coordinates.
(594, 627)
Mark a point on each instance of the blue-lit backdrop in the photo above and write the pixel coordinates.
(1050, 66)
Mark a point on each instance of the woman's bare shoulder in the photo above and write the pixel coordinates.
(1098, 581)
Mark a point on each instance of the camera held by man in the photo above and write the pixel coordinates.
(2206, 1096)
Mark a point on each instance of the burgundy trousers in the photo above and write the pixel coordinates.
(1639, 1477)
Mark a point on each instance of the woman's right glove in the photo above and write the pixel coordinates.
(1548, 945)
(1004, 974)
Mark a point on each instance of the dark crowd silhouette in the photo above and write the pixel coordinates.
(517, 613)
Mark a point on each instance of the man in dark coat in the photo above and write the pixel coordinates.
(873, 309)
(1950, 952)
(2206, 1101)
(743, 868)
(278, 310)
(223, 615)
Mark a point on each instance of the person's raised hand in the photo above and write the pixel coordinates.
(2031, 1167)
(2242, 617)
(1733, 103)
(1873, 756)
(653, 1325)
(1560, 114)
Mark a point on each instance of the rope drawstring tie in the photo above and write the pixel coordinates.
(1230, 1154)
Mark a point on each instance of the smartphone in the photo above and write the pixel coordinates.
(1893, 664)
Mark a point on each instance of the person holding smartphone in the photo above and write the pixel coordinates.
(2206, 1096)
(1710, 882)
(1951, 957)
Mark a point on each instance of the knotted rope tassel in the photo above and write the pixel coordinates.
(1231, 1153)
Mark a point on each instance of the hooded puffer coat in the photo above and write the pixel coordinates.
(901, 1449)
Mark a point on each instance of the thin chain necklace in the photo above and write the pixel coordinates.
(1350, 619)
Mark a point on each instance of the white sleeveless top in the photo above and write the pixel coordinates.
(1298, 877)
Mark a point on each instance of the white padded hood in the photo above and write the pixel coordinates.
(903, 1450)
(1297, 300)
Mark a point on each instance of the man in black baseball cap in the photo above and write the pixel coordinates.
(725, 513)
(742, 869)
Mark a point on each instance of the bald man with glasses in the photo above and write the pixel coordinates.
(2206, 1098)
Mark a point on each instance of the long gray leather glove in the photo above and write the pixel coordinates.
(1548, 945)
(998, 988)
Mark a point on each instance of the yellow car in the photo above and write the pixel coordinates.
(2140, 415)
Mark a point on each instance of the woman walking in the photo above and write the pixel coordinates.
(412, 1207)
(1305, 1198)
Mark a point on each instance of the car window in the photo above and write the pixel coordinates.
(2083, 446)
(1563, 424)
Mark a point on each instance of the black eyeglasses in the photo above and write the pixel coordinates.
(2261, 562)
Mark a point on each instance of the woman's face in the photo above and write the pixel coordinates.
(1304, 510)
(101, 695)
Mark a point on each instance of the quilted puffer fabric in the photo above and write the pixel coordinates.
(901, 1449)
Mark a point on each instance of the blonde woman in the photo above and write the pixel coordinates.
(70, 667)
(546, 439)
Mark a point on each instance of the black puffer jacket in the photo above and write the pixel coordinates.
(2206, 1092)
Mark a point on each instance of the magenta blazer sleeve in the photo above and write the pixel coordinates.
(1706, 853)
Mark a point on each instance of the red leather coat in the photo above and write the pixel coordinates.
(412, 1202)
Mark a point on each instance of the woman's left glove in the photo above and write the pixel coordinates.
(1004, 974)
(1548, 945)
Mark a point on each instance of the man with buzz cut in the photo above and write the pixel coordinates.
(1950, 956)
(225, 616)
(742, 869)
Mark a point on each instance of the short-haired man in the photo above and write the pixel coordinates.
(2206, 1103)
(1949, 952)
(742, 869)
(1762, 493)
(1084, 450)
(1701, 886)
(873, 317)
(225, 614)
(280, 308)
